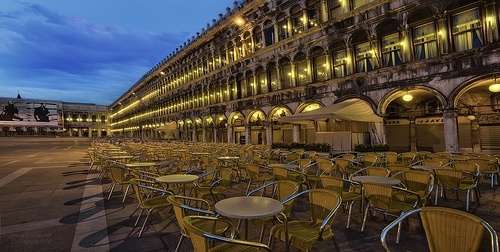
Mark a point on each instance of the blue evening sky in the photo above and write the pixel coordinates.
(91, 51)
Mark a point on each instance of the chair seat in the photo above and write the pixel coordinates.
(350, 196)
(302, 235)
(220, 227)
(156, 202)
(234, 247)
(398, 207)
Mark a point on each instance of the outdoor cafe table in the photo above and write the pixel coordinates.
(286, 166)
(177, 179)
(248, 207)
(146, 165)
(428, 167)
(121, 158)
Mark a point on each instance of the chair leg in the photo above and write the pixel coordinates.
(349, 213)
(126, 192)
(467, 201)
(111, 190)
(262, 233)
(364, 217)
(248, 186)
(179, 243)
(437, 196)
(399, 232)
(145, 221)
(138, 217)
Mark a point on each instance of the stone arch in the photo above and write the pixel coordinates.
(419, 94)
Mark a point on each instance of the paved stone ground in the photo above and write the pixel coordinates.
(48, 202)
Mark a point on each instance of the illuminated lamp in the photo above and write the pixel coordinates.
(495, 87)
(407, 97)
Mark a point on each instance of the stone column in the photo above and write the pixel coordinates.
(248, 133)
(450, 130)
(230, 133)
(204, 134)
(296, 133)
(442, 27)
(328, 68)
(269, 134)
(216, 140)
(491, 22)
(195, 134)
(476, 137)
(413, 135)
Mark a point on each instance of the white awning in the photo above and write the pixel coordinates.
(170, 130)
(349, 110)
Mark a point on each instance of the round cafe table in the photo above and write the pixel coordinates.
(376, 179)
(136, 165)
(177, 179)
(248, 207)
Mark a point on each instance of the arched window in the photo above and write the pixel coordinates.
(250, 85)
(257, 37)
(391, 45)
(272, 73)
(286, 73)
(282, 27)
(301, 70)
(364, 57)
(335, 8)
(319, 64)
(261, 81)
(312, 13)
(230, 52)
(425, 41)
(248, 43)
(467, 30)
(239, 48)
(269, 33)
(297, 20)
(240, 90)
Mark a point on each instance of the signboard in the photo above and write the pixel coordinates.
(22, 112)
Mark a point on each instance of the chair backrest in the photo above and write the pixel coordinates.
(304, 162)
(448, 178)
(448, 229)
(370, 159)
(482, 163)
(196, 203)
(292, 157)
(431, 162)
(253, 170)
(325, 166)
(420, 182)
(324, 204)
(342, 164)
(391, 157)
(348, 156)
(408, 157)
(117, 172)
(200, 243)
(335, 184)
(459, 158)
(377, 171)
(466, 166)
(379, 196)
(395, 168)
(280, 173)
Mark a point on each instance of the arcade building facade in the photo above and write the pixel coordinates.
(429, 69)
